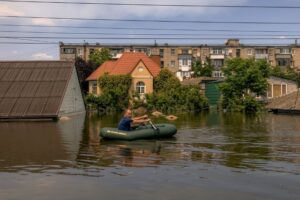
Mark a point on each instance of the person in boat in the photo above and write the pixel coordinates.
(127, 122)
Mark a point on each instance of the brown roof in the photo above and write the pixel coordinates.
(288, 102)
(106, 67)
(33, 89)
(125, 65)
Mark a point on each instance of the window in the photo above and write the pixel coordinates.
(285, 51)
(184, 62)
(249, 52)
(261, 51)
(282, 62)
(218, 74)
(94, 88)
(238, 53)
(185, 51)
(68, 50)
(92, 51)
(141, 69)
(161, 52)
(173, 52)
(140, 87)
(172, 63)
(217, 63)
(217, 51)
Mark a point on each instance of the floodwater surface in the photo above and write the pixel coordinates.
(213, 156)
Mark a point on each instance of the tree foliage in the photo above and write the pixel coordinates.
(97, 57)
(165, 81)
(205, 69)
(245, 79)
(289, 73)
(114, 92)
(170, 96)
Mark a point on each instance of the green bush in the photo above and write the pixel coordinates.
(114, 93)
(170, 96)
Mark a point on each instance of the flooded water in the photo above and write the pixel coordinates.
(213, 156)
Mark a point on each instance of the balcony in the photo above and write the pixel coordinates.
(185, 68)
(261, 56)
(217, 56)
(283, 56)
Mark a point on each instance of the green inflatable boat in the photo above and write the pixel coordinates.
(141, 132)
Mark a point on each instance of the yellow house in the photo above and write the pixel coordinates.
(141, 68)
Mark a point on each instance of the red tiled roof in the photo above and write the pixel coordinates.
(125, 65)
(106, 67)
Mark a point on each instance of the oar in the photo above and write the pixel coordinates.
(169, 117)
(153, 126)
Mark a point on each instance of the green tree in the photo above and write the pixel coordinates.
(202, 70)
(170, 96)
(114, 93)
(97, 57)
(165, 80)
(245, 79)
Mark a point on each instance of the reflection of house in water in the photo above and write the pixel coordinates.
(42, 144)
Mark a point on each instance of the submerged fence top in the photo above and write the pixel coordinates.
(33, 89)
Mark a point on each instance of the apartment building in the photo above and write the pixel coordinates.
(179, 58)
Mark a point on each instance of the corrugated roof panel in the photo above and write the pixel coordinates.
(33, 88)
(51, 74)
(37, 75)
(2, 72)
(15, 89)
(10, 75)
(6, 105)
(58, 88)
(36, 107)
(63, 74)
(52, 105)
(30, 89)
(44, 89)
(20, 107)
(24, 74)
(4, 86)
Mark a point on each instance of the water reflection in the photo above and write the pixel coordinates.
(36, 146)
(263, 142)
(233, 140)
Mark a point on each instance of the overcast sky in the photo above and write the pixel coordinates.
(51, 51)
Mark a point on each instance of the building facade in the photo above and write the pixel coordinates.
(179, 58)
(139, 66)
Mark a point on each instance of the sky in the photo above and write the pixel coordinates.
(51, 51)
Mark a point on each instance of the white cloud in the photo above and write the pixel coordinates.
(46, 22)
(15, 52)
(6, 10)
(42, 56)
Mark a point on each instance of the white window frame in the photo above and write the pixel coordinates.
(139, 87)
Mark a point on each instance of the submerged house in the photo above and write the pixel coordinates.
(139, 66)
(39, 90)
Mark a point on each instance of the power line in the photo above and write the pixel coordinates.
(147, 38)
(149, 29)
(39, 43)
(156, 4)
(152, 20)
(142, 34)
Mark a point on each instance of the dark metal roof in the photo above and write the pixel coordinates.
(33, 89)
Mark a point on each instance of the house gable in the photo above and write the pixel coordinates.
(142, 74)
